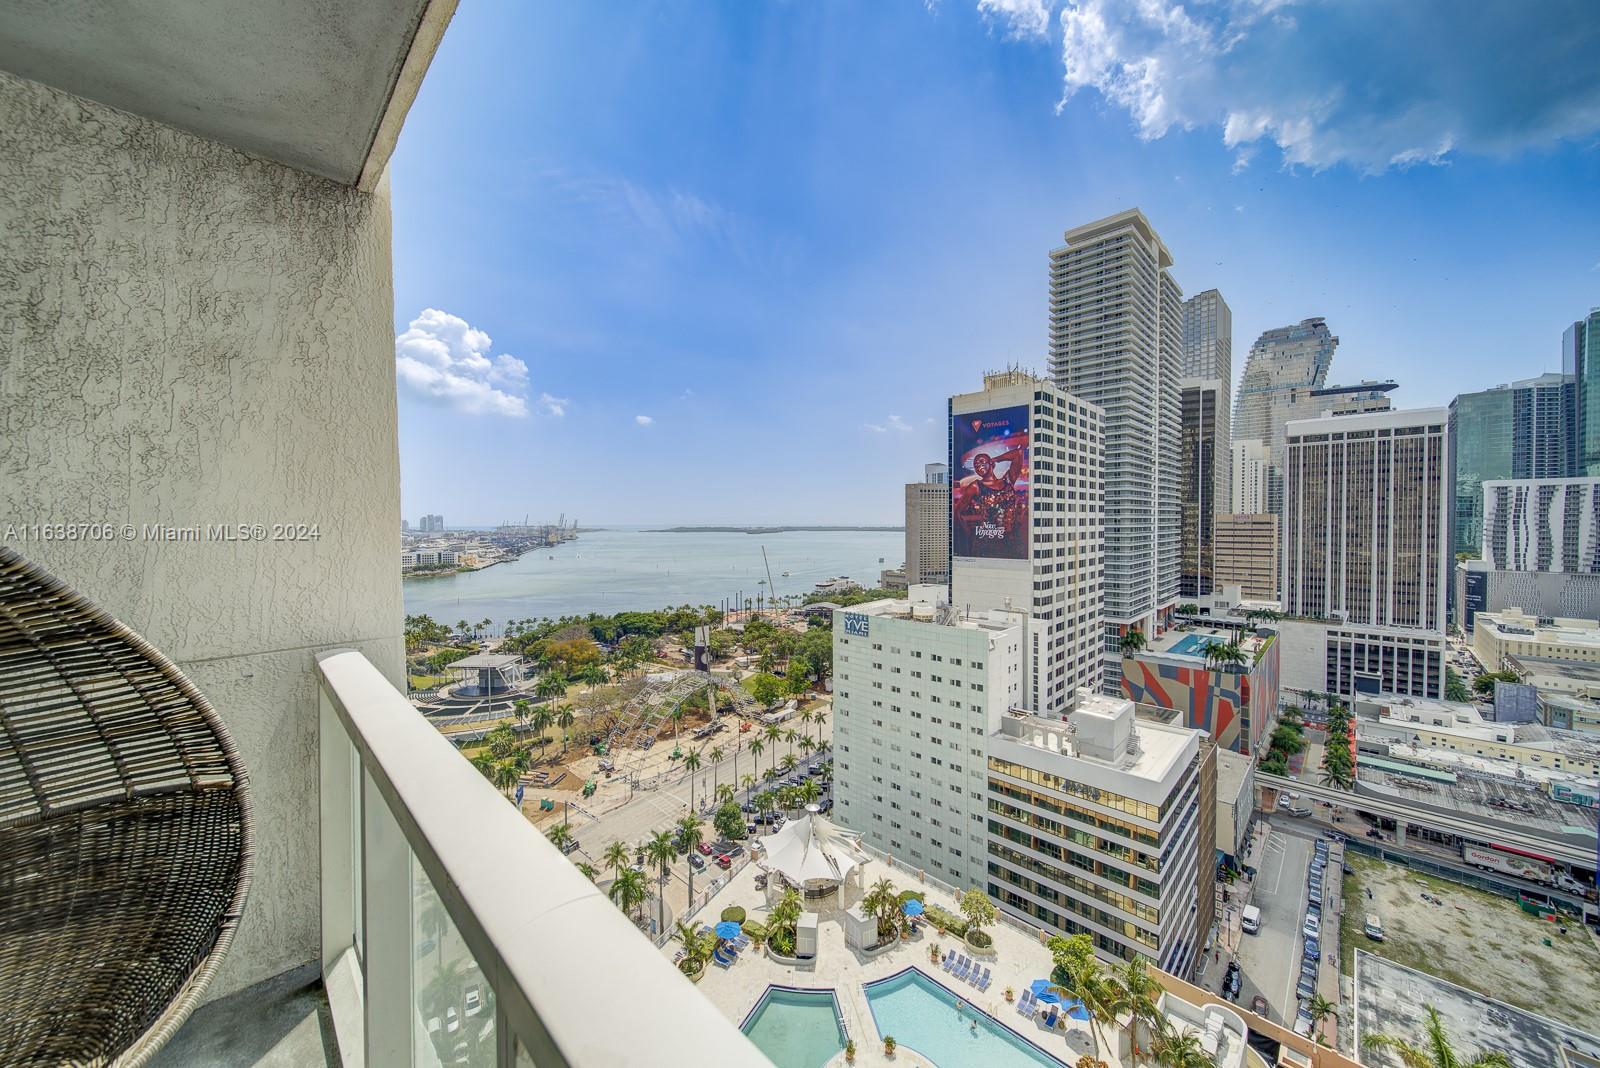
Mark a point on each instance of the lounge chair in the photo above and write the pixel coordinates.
(1025, 1004)
(960, 967)
(949, 959)
(1050, 1016)
(983, 984)
(722, 961)
(965, 969)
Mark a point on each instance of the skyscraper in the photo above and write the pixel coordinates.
(1205, 406)
(1282, 360)
(928, 527)
(1208, 353)
(1025, 525)
(1248, 554)
(1521, 430)
(1542, 524)
(1366, 545)
(1580, 359)
(1252, 468)
(1116, 334)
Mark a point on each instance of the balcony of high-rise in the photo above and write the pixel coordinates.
(226, 837)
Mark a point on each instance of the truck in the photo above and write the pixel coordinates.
(1509, 864)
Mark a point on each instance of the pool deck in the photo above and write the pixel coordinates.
(1018, 960)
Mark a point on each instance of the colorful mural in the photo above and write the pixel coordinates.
(1232, 706)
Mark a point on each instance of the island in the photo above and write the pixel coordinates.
(766, 530)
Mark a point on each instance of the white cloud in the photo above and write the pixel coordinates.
(443, 359)
(556, 406)
(643, 420)
(894, 422)
(1023, 18)
(1373, 86)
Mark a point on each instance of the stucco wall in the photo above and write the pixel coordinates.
(190, 336)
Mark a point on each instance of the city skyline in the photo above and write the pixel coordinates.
(736, 250)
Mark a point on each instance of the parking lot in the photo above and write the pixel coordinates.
(1474, 939)
(1271, 958)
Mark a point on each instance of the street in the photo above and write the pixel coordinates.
(1270, 960)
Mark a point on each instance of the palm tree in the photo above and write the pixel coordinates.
(1144, 998)
(810, 791)
(1102, 996)
(774, 735)
(697, 946)
(616, 858)
(564, 719)
(724, 793)
(1320, 1009)
(660, 852)
(788, 763)
(1437, 1052)
(1180, 1050)
(559, 835)
(506, 776)
(550, 685)
(589, 870)
(522, 708)
(1133, 640)
(756, 749)
(463, 627)
(541, 723)
(882, 902)
(689, 832)
(716, 760)
(629, 890)
(691, 764)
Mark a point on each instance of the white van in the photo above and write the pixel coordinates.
(1251, 920)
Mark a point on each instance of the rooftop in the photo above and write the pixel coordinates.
(1101, 732)
(944, 615)
(1515, 625)
(1189, 643)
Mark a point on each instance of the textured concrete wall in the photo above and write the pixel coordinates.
(190, 336)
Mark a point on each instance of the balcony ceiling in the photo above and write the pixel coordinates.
(317, 85)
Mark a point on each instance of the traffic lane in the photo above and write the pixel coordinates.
(1271, 959)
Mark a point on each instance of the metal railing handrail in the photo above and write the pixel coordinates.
(556, 952)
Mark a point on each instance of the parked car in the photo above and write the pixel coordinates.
(1258, 1005)
(703, 848)
(1231, 981)
(724, 861)
(1312, 950)
(697, 862)
(1313, 925)
(1302, 1022)
(452, 1020)
(1374, 928)
(1307, 985)
(473, 1001)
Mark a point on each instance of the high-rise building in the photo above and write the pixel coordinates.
(1283, 360)
(1305, 402)
(1116, 334)
(1580, 360)
(1252, 471)
(1208, 353)
(1366, 547)
(1248, 554)
(1205, 412)
(1105, 824)
(405, 526)
(1025, 525)
(917, 691)
(1542, 524)
(1519, 430)
(432, 524)
(928, 527)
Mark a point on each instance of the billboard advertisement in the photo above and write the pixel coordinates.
(989, 484)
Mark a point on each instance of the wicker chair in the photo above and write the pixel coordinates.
(124, 833)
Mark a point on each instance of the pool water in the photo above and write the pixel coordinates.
(1192, 645)
(796, 1028)
(922, 1014)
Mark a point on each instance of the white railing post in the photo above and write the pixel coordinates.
(386, 889)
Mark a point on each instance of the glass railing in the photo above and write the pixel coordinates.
(454, 934)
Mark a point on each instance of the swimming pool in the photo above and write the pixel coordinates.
(922, 1014)
(796, 1028)
(1193, 645)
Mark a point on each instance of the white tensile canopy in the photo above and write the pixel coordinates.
(811, 851)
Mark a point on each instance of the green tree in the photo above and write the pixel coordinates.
(716, 754)
(1454, 688)
(729, 821)
(616, 858)
(660, 852)
(1437, 1051)
(1320, 1009)
(691, 764)
(629, 890)
(564, 719)
(882, 902)
(765, 688)
(698, 946)
(689, 832)
(1180, 1049)
(550, 685)
(1133, 640)
(559, 834)
(978, 909)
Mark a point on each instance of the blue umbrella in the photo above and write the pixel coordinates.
(1076, 1010)
(1042, 992)
(728, 929)
(912, 907)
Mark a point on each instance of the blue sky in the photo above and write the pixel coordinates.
(690, 262)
